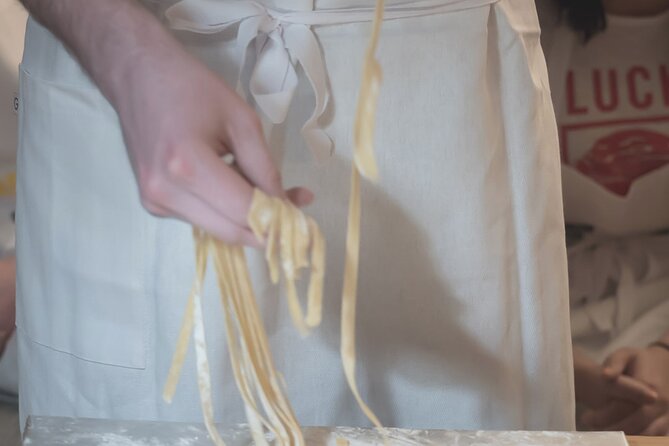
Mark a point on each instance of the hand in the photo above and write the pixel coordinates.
(597, 389)
(178, 117)
(651, 366)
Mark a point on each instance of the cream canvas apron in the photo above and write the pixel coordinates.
(463, 311)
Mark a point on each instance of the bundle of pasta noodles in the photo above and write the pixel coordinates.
(293, 242)
(289, 235)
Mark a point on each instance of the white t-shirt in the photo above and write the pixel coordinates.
(612, 105)
(614, 114)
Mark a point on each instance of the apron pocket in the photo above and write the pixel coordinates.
(81, 230)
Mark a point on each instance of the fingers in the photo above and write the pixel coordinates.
(618, 362)
(171, 199)
(201, 172)
(659, 427)
(252, 157)
(216, 224)
(300, 196)
(632, 390)
(199, 187)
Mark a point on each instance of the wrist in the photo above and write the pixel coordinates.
(133, 41)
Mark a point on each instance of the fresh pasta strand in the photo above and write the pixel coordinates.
(187, 324)
(364, 164)
(193, 323)
(203, 374)
(365, 114)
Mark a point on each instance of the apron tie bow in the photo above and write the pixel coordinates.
(279, 46)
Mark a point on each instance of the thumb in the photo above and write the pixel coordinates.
(616, 364)
(300, 196)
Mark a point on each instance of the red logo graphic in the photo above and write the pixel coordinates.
(617, 160)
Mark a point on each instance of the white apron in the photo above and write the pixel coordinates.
(463, 312)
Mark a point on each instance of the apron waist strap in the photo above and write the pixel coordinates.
(283, 39)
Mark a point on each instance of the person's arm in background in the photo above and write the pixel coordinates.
(651, 366)
(177, 116)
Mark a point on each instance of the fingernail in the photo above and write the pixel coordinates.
(308, 197)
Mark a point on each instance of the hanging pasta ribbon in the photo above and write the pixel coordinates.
(364, 164)
(193, 323)
(288, 235)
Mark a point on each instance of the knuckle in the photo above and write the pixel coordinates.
(153, 192)
(179, 166)
(173, 166)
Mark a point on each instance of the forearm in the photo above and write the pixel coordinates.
(110, 38)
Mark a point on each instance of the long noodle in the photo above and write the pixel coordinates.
(364, 164)
(288, 235)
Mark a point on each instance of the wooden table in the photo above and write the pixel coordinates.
(648, 441)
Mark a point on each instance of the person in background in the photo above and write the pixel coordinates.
(609, 69)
